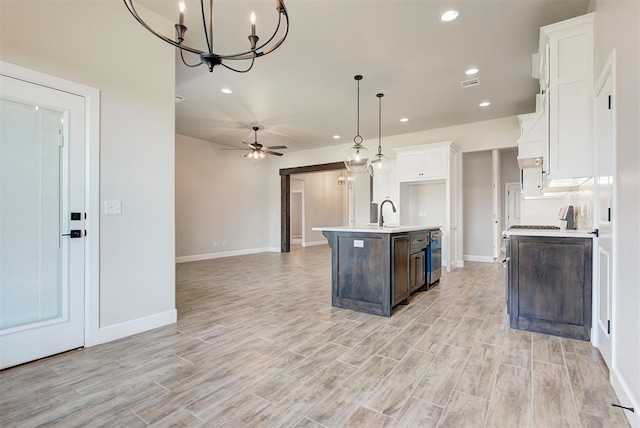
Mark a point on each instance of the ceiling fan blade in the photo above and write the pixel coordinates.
(232, 149)
(271, 153)
(277, 147)
(249, 144)
(247, 155)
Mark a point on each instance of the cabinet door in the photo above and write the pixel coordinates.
(386, 186)
(531, 181)
(417, 271)
(435, 165)
(410, 166)
(400, 272)
(570, 102)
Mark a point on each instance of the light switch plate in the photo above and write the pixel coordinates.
(113, 207)
(358, 243)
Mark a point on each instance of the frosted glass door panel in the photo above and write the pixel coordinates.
(30, 269)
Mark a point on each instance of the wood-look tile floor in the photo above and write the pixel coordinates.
(257, 344)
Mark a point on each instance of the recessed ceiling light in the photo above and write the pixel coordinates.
(226, 91)
(404, 119)
(336, 137)
(449, 15)
(484, 104)
(471, 71)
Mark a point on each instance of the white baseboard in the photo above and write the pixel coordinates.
(482, 259)
(139, 325)
(314, 243)
(198, 257)
(626, 398)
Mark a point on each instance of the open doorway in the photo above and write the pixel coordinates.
(297, 212)
(358, 202)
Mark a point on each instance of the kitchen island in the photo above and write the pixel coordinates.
(376, 268)
(549, 281)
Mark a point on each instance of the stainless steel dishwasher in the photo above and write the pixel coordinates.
(434, 257)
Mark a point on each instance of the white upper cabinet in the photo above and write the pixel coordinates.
(385, 186)
(422, 163)
(567, 81)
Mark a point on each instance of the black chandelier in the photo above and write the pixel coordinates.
(210, 58)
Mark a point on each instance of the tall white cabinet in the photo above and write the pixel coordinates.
(428, 180)
(566, 80)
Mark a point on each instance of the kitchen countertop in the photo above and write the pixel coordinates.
(550, 233)
(374, 229)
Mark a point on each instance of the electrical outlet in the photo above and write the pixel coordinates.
(215, 243)
(224, 243)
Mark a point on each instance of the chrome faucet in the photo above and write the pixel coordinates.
(393, 207)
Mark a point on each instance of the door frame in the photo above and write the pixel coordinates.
(285, 197)
(92, 186)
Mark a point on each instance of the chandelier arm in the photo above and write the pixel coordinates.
(132, 10)
(208, 36)
(239, 71)
(186, 63)
(250, 53)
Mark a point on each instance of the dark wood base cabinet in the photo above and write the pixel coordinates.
(549, 285)
(373, 272)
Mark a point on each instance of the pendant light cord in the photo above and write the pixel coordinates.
(379, 122)
(358, 138)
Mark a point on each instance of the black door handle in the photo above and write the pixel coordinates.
(74, 234)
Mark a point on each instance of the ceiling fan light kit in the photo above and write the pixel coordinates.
(256, 150)
(209, 57)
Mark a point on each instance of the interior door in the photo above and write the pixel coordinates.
(512, 197)
(41, 185)
(496, 195)
(604, 131)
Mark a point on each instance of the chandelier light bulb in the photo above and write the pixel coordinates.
(204, 53)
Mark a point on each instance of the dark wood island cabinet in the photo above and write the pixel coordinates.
(375, 269)
(549, 283)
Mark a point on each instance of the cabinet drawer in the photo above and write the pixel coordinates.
(419, 240)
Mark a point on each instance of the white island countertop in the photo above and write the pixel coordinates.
(551, 233)
(374, 229)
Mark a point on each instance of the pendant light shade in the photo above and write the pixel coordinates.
(380, 165)
(357, 158)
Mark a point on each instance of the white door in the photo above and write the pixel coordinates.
(41, 185)
(604, 132)
(512, 197)
(496, 195)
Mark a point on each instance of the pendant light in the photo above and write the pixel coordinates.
(357, 157)
(380, 165)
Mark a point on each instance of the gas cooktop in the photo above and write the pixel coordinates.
(534, 226)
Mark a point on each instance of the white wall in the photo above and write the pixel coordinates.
(616, 27)
(478, 202)
(323, 204)
(99, 44)
(221, 201)
(486, 135)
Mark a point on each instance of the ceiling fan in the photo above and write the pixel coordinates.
(257, 150)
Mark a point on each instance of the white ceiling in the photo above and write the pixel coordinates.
(304, 92)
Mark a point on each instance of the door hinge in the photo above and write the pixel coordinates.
(609, 102)
(608, 214)
(60, 138)
(608, 326)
